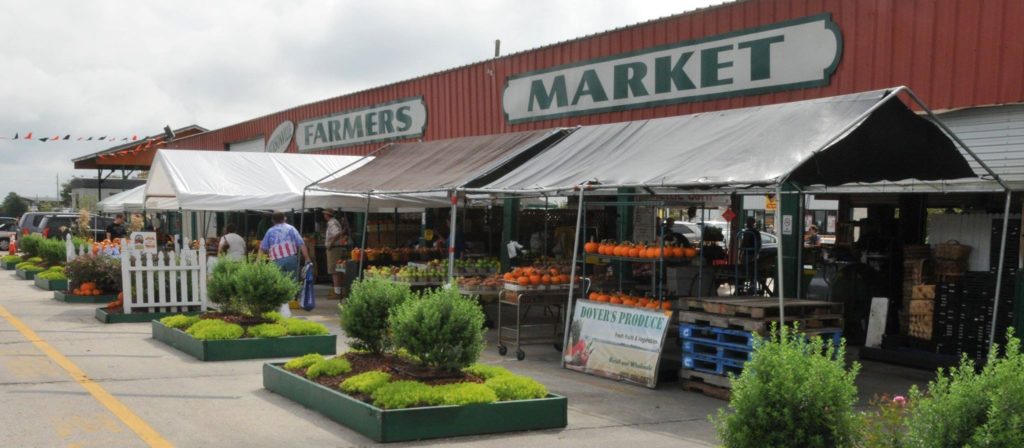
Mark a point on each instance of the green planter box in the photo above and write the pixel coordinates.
(106, 317)
(26, 275)
(10, 265)
(249, 348)
(64, 296)
(52, 285)
(398, 425)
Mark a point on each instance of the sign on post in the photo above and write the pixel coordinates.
(143, 242)
(616, 342)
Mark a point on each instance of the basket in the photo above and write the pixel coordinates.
(952, 250)
(950, 268)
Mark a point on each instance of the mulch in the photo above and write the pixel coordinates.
(400, 369)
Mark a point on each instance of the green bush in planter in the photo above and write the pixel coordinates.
(486, 371)
(268, 331)
(179, 321)
(328, 367)
(402, 394)
(12, 259)
(221, 286)
(365, 383)
(300, 327)
(33, 268)
(53, 251)
(792, 392)
(35, 260)
(304, 361)
(964, 407)
(103, 270)
(515, 387)
(23, 265)
(29, 244)
(52, 275)
(461, 394)
(443, 329)
(364, 315)
(273, 316)
(215, 330)
(261, 286)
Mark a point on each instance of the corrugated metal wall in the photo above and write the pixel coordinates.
(954, 53)
(996, 134)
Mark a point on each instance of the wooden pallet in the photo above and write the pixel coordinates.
(714, 386)
(714, 380)
(760, 326)
(762, 307)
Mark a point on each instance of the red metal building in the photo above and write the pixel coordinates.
(953, 53)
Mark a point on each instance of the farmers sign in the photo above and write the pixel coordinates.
(787, 55)
(616, 342)
(400, 119)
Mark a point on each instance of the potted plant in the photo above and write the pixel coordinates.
(91, 279)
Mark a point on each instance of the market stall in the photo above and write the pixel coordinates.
(778, 148)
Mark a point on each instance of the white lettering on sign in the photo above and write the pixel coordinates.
(400, 119)
(788, 55)
(281, 137)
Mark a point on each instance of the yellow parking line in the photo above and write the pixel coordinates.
(145, 432)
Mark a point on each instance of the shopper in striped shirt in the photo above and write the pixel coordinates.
(282, 244)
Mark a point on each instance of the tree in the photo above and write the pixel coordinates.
(14, 205)
(65, 194)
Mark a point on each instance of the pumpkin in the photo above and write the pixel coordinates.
(593, 295)
(591, 247)
(666, 305)
(563, 278)
(643, 301)
(634, 252)
(523, 280)
(553, 271)
(677, 252)
(615, 300)
(354, 255)
(629, 301)
(534, 279)
(653, 306)
(545, 279)
(509, 277)
(689, 252)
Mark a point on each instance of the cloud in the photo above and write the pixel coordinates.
(125, 67)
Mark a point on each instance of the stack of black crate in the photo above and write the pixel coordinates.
(948, 296)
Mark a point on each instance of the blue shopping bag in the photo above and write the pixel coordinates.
(308, 301)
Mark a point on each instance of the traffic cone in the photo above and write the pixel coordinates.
(12, 247)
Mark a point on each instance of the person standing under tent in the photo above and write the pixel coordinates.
(116, 229)
(337, 239)
(749, 251)
(231, 244)
(282, 245)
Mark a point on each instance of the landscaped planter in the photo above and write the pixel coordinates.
(26, 275)
(10, 265)
(397, 425)
(52, 285)
(64, 296)
(108, 317)
(246, 348)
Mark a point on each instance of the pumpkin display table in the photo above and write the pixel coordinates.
(547, 326)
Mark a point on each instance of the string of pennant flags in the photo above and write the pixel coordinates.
(144, 144)
(68, 137)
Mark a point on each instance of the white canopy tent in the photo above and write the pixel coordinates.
(134, 201)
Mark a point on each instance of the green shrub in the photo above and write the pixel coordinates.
(29, 244)
(56, 269)
(273, 316)
(261, 286)
(402, 394)
(329, 367)
(12, 258)
(215, 330)
(33, 268)
(364, 315)
(365, 383)
(35, 260)
(970, 408)
(53, 251)
(443, 329)
(486, 371)
(268, 331)
(179, 321)
(304, 361)
(515, 387)
(24, 264)
(792, 392)
(103, 270)
(221, 286)
(52, 275)
(460, 394)
(300, 327)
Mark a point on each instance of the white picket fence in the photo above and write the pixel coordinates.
(164, 282)
(75, 252)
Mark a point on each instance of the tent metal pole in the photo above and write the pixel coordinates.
(778, 255)
(362, 249)
(451, 236)
(800, 243)
(302, 218)
(999, 272)
(572, 276)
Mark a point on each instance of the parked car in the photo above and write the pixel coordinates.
(58, 225)
(8, 227)
(30, 221)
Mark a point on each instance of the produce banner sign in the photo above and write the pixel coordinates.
(143, 242)
(616, 342)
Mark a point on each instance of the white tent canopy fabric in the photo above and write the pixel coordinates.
(232, 181)
(134, 201)
(867, 136)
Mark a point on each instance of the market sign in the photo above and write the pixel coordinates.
(616, 342)
(281, 137)
(404, 118)
(787, 55)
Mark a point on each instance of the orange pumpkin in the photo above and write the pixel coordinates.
(523, 281)
(634, 252)
(563, 278)
(545, 279)
(593, 295)
(615, 300)
(653, 306)
(629, 302)
(534, 279)
(591, 247)
(666, 305)
(677, 252)
(689, 252)
(354, 255)
(509, 277)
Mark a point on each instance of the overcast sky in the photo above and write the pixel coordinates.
(92, 68)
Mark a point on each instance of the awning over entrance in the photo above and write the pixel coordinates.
(441, 165)
(228, 181)
(865, 137)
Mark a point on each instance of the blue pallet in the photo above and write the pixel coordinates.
(711, 364)
(739, 339)
(834, 336)
(700, 347)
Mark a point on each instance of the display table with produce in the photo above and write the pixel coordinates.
(524, 289)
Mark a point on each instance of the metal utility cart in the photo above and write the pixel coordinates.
(520, 301)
